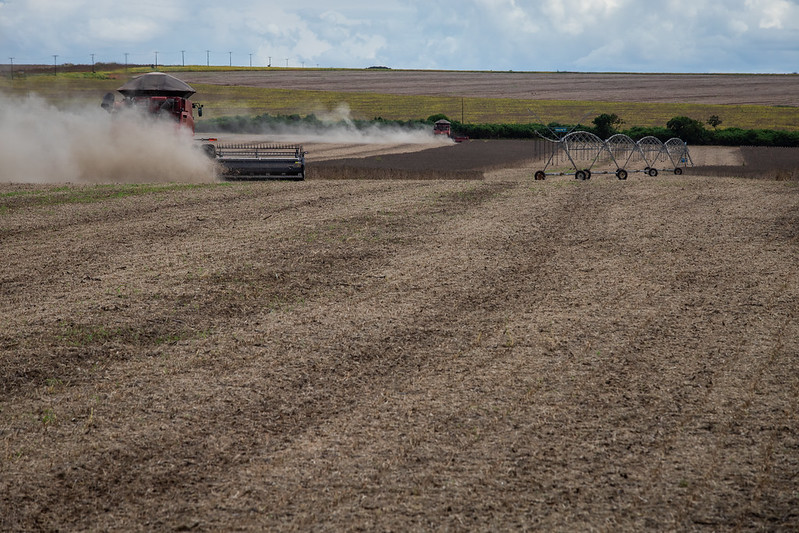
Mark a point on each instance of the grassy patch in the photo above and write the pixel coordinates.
(83, 335)
(84, 194)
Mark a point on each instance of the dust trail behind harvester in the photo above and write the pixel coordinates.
(45, 144)
(338, 126)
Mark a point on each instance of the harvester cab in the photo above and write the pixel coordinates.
(157, 94)
(442, 127)
(166, 97)
(169, 107)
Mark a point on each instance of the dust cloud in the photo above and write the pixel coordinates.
(337, 127)
(45, 144)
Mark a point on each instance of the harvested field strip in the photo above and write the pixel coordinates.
(359, 171)
(759, 162)
(501, 354)
(468, 160)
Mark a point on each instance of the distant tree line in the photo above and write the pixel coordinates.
(687, 129)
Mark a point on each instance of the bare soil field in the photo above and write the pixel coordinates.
(728, 89)
(479, 354)
(478, 158)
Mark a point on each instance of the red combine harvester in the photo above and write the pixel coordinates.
(164, 96)
(444, 127)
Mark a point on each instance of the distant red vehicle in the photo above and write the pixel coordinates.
(444, 127)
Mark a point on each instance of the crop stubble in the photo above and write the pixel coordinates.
(438, 354)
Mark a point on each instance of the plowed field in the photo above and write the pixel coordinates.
(434, 354)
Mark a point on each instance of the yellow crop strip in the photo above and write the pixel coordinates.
(223, 100)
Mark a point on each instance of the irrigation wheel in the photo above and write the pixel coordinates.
(540, 175)
(678, 171)
(653, 172)
(621, 174)
(580, 175)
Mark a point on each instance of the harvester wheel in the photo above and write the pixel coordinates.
(653, 172)
(210, 150)
(678, 171)
(621, 174)
(580, 175)
(540, 175)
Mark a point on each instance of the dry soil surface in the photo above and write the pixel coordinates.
(401, 355)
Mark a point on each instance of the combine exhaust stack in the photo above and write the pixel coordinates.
(259, 161)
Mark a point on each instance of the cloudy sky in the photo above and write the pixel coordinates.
(523, 35)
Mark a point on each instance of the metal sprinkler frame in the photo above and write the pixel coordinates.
(673, 155)
(581, 147)
(578, 147)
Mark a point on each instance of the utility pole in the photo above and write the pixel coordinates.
(183, 57)
(207, 58)
(250, 60)
(156, 59)
(12, 67)
(287, 62)
(92, 62)
(231, 58)
(55, 65)
(270, 62)
(126, 61)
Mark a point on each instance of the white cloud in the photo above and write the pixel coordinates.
(127, 30)
(623, 35)
(772, 12)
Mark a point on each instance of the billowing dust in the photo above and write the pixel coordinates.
(46, 144)
(338, 126)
